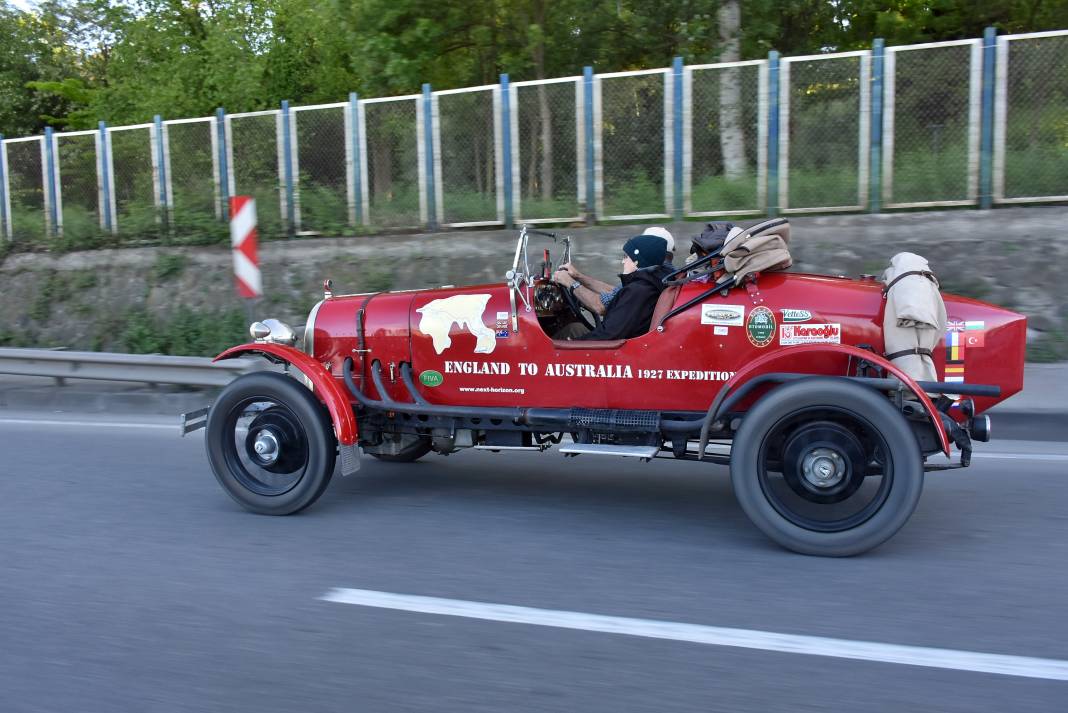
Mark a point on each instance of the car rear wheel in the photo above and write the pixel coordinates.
(826, 466)
(270, 443)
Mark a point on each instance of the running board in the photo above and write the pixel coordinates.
(608, 449)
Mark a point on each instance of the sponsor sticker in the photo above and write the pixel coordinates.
(502, 316)
(796, 315)
(438, 317)
(431, 378)
(502, 334)
(760, 327)
(723, 315)
(791, 334)
(720, 331)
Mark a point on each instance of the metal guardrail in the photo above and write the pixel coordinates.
(106, 366)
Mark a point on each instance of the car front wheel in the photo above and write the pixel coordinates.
(825, 466)
(270, 443)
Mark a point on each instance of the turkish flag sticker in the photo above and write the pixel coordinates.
(974, 339)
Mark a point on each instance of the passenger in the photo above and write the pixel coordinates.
(595, 295)
(630, 312)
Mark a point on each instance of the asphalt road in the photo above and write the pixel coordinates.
(130, 582)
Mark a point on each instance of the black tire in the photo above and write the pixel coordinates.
(830, 408)
(409, 454)
(299, 420)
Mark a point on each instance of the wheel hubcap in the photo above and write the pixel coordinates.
(823, 468)
(267, 447)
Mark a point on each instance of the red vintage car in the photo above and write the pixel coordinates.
(780, 376)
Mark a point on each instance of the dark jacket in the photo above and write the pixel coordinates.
(629, 313)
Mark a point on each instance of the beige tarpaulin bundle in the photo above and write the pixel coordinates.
(761, 248)
(915, 317)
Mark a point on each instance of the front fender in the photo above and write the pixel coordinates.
(326, 386)
(767, 363)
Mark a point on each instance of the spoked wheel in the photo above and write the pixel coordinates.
(827, 467)
(270, 444)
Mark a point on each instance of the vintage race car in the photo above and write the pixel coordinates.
(780, 376)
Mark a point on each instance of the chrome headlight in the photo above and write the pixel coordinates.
(274, 331)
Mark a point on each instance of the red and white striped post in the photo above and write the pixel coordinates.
(243, 241)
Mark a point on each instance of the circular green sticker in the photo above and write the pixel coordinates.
(431, 378)
(761, 327)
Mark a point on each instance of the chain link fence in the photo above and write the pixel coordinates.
(547, 160)
(1031, 128)
(78, 194)
(632, 144)
(133, 190)
(467, 167)
(391, 166)
(931, 124)
(961, 123)
(254, 158)
(725, 138)
(823, 149)
(26, 212)
(320, 165)
(190, 160)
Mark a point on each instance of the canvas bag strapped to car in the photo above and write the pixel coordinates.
(915, 316)
(760, 248)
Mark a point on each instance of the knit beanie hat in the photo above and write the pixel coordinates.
(646, 250)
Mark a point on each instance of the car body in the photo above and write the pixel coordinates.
(781, 377)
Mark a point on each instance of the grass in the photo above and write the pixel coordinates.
(168, 266)
(1052, 347)
(186, 332)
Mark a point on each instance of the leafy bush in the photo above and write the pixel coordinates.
(186, 332)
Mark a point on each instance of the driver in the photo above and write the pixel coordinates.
(641, 282)
(595, 295)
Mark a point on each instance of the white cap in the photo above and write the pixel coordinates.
(662, 233)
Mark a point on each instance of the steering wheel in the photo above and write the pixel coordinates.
(576, 308)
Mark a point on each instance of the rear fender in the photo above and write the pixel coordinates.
(326, 386)
(781, 360)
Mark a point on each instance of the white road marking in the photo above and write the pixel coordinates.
(105, 424)
(1052, 457)
(956, 660)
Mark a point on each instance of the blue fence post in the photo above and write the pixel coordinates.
(224, 171)
(50, 175)
(587, 121)
(357, 175)
(506, 149)
(161, 163)
(986, 146)
(428, 151)
(676, 138)
(773, 134)
(878, 68)
(287, 171)
(105, 178)
(4, 232)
